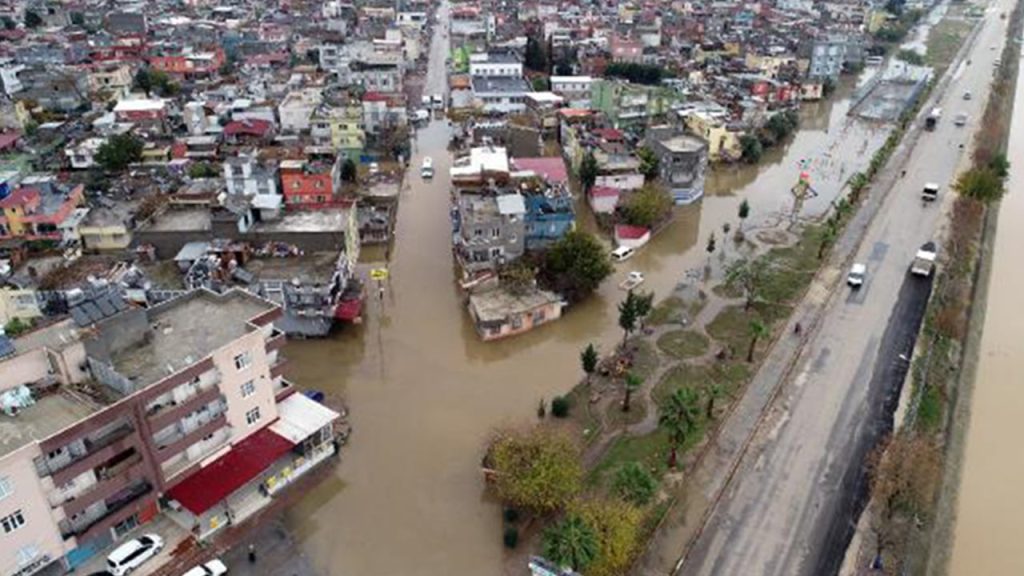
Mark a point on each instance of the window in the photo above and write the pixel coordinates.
(248, 389)
(12, 522)
(243, 360)
(495, 232)
(27, 554)
(5, 487)
(252, 416)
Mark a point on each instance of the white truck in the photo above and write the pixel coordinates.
(924, 261)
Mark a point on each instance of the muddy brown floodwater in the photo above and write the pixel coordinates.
(424, 392)
(991, 502)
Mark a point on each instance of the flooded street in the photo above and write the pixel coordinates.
(987, 535)
(424, 392)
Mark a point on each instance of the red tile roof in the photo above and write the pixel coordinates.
(19, 197)
(249, 127)
(630, 232)
(609, 134)
(215, 482)
(374, 97)
(604, 191)
(552, 168)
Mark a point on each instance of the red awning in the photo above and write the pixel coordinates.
(215, 482)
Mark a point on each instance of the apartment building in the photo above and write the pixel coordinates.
(126, 413)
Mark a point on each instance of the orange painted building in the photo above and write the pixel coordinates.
(308, 184)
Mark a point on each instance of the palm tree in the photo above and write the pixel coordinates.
(631, 383)
(827, 237)
(643, 306)
(749, 275)
(571, 543)
(713, 391)
(589, 359)
(757, 330)
(679, 418)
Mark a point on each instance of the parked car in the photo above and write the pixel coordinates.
(212, 568)
(133, 553)
(622, 253)
(855, 279)
(967, 95)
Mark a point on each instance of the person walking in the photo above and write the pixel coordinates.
(252, 553)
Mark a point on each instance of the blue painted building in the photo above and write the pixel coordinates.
(548, 218)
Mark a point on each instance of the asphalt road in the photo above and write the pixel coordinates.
(798, 478)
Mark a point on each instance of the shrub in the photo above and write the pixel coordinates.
(560, 407)
(511, 537)
(511, 515)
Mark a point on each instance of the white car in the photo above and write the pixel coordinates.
(856, 276)
(427, 170)
(967, 95)
(212, 568)
(133, 553)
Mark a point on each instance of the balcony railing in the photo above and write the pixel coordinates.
(107, 487)
(97, 452)
(176, 444)
(172, 414)
(129, 497)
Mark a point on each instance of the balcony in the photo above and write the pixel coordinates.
(175, 445)
(277, 368)
(276, 342)
(97, 452)
(113, 482)
(127, 503)
(171, 414)
(282, 388)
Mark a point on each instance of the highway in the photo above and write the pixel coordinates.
(778, 514)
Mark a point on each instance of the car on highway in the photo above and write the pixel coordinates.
(855, 279)
(212, 568)
(133, 553)
(967, 95)
(961, 119)
(930, 192)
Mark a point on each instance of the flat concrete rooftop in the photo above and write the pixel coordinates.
(186, 330)
(326, 220)
(46, 417)
(315, 267)
(181, 219)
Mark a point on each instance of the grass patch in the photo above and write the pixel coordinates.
(684, 343)
(730, 375)
(731, 328)
(581, 412)
(650, 451)
(666, 311)
(792, 267)
(929, 411)
(727, 290)
(645, 357)
(616, 418)
(944, 39)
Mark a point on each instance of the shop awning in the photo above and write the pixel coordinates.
(300, 417)
(244, 462)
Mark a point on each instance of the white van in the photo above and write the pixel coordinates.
(133, 553)
(930, 192)
(622, 253)
(427, 170)
(855, 279)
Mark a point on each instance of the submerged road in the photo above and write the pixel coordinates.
(784, 510)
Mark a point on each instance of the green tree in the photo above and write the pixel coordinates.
(575, 265)
(32, 20)
(539, 469)
(1000, 165)
(649, 162)
(628, 316)
(571, 543)
(644, 304)
(910, 57)
(633, 483)
(647, 206)
(982, 184)
(118, 152)
(540, 84)
(588, 171)
(16, 326)
(750, 149)
(348, 170)
(518, 277)
(203, 170)
(679, 418)
(536, 57)
(750, 276)
(617, 524)
(589, 360)
(828, 236)
(78, 19)
(630, 383)
(757, 331)
(8, 23)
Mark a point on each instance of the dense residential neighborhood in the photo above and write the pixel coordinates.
(223, 223)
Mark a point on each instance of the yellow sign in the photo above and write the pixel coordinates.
(379, 273)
